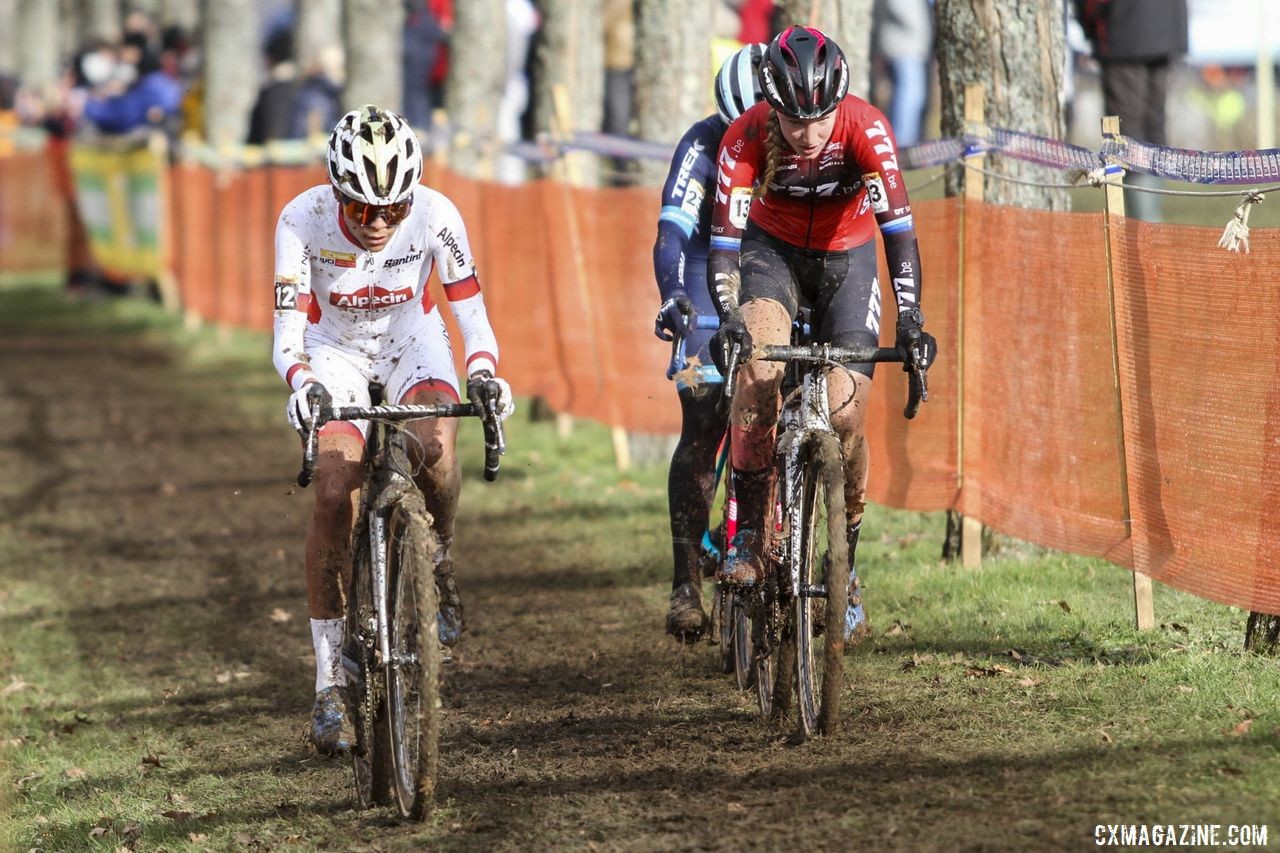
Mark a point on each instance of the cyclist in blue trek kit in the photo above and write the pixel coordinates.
(680, 266)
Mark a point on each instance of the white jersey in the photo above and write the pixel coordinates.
(332, 294)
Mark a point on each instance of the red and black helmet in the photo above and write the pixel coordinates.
(804, 74)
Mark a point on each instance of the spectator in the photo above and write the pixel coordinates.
(619, 62)
(1136, 43)
(319, 103)
(138, 92)
(903, 41)
(273, 112)
(424, 38)
(756, 17)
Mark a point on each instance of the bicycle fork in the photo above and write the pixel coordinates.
(805, 420)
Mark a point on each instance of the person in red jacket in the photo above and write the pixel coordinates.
(804, 180)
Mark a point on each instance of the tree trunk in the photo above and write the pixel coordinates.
(231, 70)
(93, 20)
(8, 37)
(1014, 49)
(37, 48)
(375, 51)
(673, 75)
(1262, 633)
(473, 89)
(316, 22)
(569, 56)
(184, 13)
(846, 21)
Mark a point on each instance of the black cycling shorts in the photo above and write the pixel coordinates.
(840, 288)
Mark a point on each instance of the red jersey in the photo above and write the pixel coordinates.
(832, 202)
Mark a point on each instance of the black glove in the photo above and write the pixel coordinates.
(733, 330)
(912, 336)
(303, 402)
(674, 316)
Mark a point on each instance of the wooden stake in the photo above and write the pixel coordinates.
(969, 328)
(1143, 601)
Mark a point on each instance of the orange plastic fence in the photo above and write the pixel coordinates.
(1160, 453)
(35, 219)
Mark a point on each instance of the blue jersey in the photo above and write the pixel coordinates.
(684, 230)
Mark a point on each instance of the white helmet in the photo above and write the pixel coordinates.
(374, 156)
(738, 82)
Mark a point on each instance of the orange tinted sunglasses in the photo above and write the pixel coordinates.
(364, 213)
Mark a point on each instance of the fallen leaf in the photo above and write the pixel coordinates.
(280, 615)
(14, 686)
(1242, 728)
(21, 783)
(168, 489)
(176, 815)
(98, 832)
(735, 807)
(223, 678)
(1186, 688)
(1028, 681)
(75, 773)
(131, 829)
(153, 759)
(1106, 738)
(197, 837)
(1066, 607)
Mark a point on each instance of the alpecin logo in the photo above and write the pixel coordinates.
(410, 258)
(337, 259)
(372, 297)
(450, 242)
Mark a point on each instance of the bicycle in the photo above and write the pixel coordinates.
(807, 559)
(728, 628)
(392, 653)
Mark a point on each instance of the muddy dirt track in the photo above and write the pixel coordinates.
(151, 496)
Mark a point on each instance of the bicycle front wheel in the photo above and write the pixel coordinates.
(371, 753)
(819, 558)
(413, 674)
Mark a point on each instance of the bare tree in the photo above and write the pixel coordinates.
(375, 50)
(37, 49)
(231, 69)
(473, 90)
(184, 13)
(1014, 49)
(91, 20)
(316, 22)
(8, 37)
(673, 80)
(846, 21)
(569, 57)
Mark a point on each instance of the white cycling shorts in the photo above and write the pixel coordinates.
(424, 361)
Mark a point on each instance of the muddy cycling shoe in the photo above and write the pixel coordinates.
(331, 729)
(450, 623)
(744, 566)
(855, 616)
(686, 620)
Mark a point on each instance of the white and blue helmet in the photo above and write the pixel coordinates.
(738, 82)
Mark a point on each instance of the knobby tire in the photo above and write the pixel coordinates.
(371, 753)
(819, 553)
(414, 712)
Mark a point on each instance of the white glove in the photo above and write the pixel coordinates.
(298, 410)
(506, 404)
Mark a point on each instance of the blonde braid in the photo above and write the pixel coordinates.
(773, 154)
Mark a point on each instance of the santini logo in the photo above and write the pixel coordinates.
(410, 258)
(374, 297)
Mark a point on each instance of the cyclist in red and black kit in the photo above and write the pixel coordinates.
(824, 168)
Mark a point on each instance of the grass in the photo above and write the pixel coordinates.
(151, 695)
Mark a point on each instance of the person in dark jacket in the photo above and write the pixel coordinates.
(273, 112)
(1136, 42)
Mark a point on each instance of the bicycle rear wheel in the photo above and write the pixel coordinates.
(819, 557)
(762, 608)
(413, 675)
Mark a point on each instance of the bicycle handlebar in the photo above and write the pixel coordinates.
(917, 382)
(494, 442)
(679, 360)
